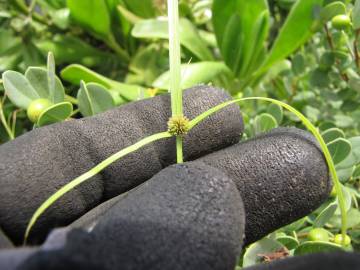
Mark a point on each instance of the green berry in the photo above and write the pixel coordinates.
(319, 234)
(36, 108)
(339, 240)
(341, 22)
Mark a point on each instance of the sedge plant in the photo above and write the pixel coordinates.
(179, 125)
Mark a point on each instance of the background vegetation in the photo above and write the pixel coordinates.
(110, 52)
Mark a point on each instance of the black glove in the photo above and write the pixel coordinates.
(191, 217)
(188, 216)
(37, 164)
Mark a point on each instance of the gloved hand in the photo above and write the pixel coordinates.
(188, 216)
(37, 164)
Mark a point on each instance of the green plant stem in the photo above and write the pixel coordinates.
(5, 123)
(356, 49)
(112, 43)
(71, 99)
(175, 69)
(332, 47)
(32, 6)
(175, 58)
(95, 170)
(309, 126)
(14, 117)
(75, 112)
(24, 9)
(179, 149)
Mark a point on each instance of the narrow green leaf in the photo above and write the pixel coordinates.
(294, 34)
(128, 15)
(91, 14)
(19, 89)
(76, 73)
(241, 28)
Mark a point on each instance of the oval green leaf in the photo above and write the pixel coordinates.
(18, 89)
(38, 79)
(264, 122)
(56, 113)
(331, 10)
(340, 148)
(254, 253)
(276, 111)
(91, 14)
(332, 134)
(288, 241)
(241, 28)
(316, 247)
(294, 34)
(93, 99)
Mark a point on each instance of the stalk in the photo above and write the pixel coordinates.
(5, 124)
(120, 52)
(86, 176)
(311, 128)
(175, 70)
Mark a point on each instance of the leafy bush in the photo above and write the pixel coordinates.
(110, 52)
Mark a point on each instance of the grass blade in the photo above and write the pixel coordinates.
(310, 127)
(82, 178)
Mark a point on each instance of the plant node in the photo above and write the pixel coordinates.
(178, 125)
